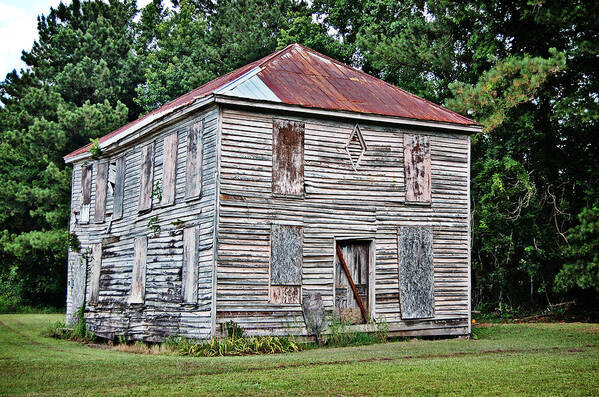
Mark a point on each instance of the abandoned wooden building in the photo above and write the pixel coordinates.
(294, 185)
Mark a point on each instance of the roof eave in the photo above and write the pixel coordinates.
(145, 126)
(270, 105)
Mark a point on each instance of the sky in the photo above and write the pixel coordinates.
(18, 29)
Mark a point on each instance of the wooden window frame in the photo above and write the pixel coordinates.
(169, 169)
(417, 169)
(194, 169)
(146, 182)
(278, 170)
(278, 289)
(406, 300)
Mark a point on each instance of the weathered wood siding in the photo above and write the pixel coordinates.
(166, 308)
(339, 203)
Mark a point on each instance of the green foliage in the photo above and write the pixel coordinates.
(79, 332)
(201, 40)
(73, 242)
(526, 70)
(154, 225)
(340, 333)
(509, 83)
(523, 359)
(581, 269)
(94, 148)
(232, 329)
(236, 346)
(156, 192)
(79, 84)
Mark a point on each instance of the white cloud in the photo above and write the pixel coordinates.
(18, 28)
(18, 31)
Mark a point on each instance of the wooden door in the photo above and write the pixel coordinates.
(357, 258)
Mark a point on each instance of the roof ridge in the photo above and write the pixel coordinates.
(374, 77)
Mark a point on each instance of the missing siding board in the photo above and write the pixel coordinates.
(169, 172)
(94, 273)
(86, 192)
(416, 272)
(288, 157)
(138, 275)
(286, 264)
(101, 187)
(147, 177)
(190, 265)
(285, 294)
(193, 169)
(119, 189)
(417, 168)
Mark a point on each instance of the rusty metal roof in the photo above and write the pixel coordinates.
(297, 75)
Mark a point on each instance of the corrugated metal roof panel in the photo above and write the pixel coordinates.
(297, 75)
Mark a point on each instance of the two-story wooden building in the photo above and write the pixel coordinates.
(293, 179)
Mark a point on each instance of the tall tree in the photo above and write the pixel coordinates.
(79, 84)
(529, 72)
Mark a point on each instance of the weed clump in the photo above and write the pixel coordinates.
(78, 333)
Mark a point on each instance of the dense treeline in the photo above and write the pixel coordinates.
(527, 70)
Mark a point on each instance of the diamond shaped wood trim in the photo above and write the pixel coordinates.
(355, 147)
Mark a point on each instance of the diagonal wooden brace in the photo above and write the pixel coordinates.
(353, 286)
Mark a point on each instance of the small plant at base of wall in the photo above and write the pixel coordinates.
(79, 332)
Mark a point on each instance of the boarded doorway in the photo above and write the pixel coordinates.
(356, 254)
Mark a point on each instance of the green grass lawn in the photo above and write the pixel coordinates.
(549, 359)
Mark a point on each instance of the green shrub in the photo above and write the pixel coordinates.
(238, 346)
(232, 329)
(341, 333)
(10, 303)
(78, 333)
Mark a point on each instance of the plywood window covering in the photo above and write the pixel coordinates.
(118, 188)
(169, 169)
(193, 167)
(138, 275)
(190, 264)
(416, 272)
(94, 273)
(147, 177)
(286, 264)
(86, 193)
(288, 157)
(101, 191)
(417, 168)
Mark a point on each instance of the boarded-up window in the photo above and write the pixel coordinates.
(101, 187)
(94, 273)
(190, 264)
(416, 278)
(193, 167)
(147, 177)
(288, 157)
(417, 168)
(86, 192)
(119, 189)
(286, 264)
(138, 275)
(169, 169)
